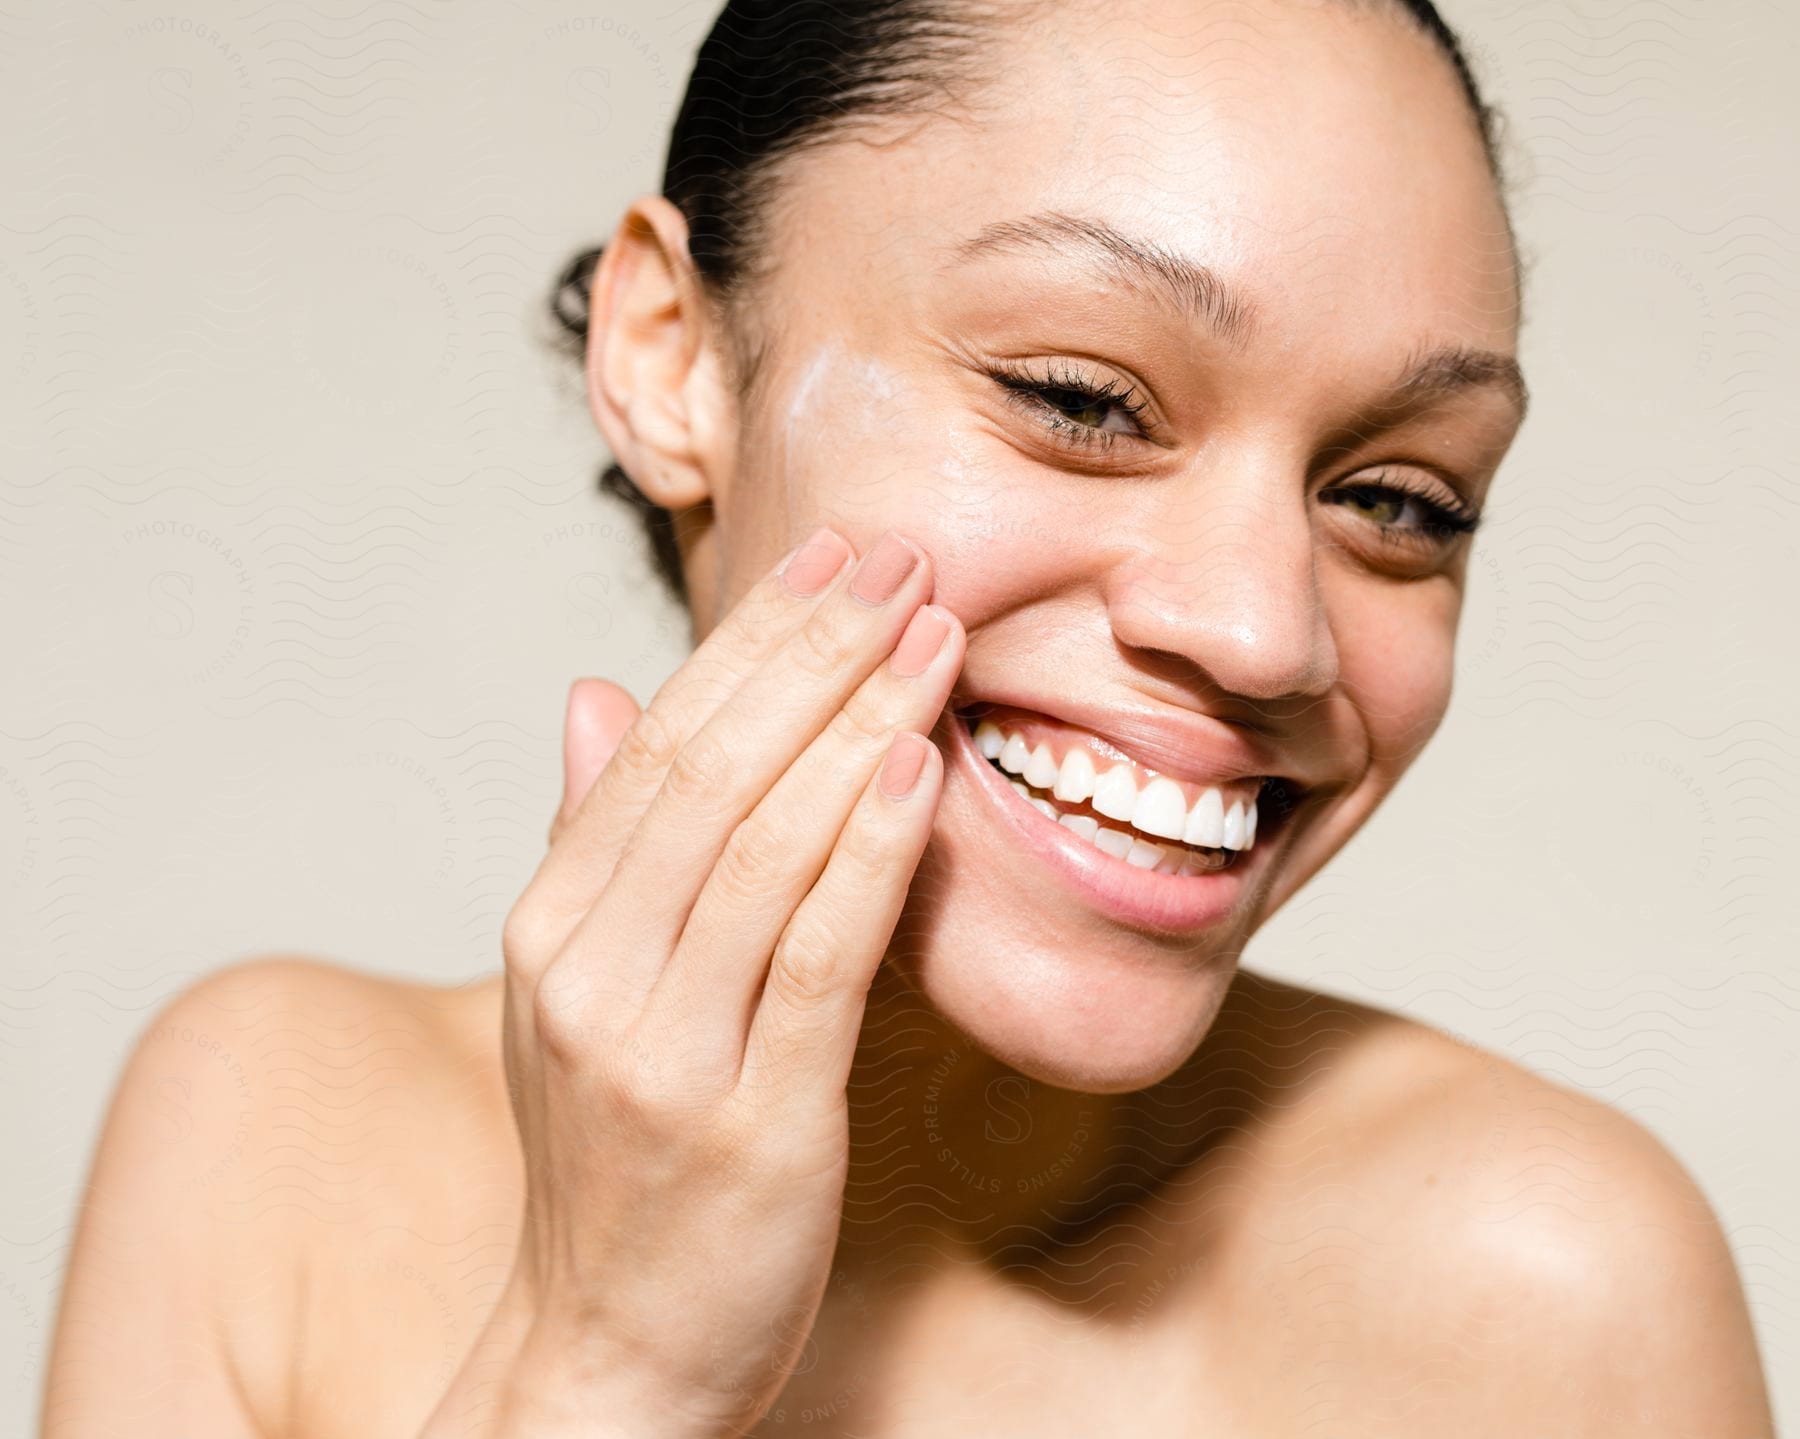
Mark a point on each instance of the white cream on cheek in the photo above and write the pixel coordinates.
(860, 444)
(847, 417)
(800, 428)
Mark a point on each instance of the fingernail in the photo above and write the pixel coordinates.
(905, 759)
(883, 570)
(924, 637)
(813, 562)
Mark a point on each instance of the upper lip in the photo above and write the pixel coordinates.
(1179, 743)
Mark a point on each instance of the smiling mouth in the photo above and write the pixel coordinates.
(1151, 820)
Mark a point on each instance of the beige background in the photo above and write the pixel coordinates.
(300, 551)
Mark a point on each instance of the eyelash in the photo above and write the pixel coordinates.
(1028, 392)
(1443, 521)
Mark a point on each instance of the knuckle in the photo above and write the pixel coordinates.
(699, 769)
(562, 1017)
(863, 855)
(824, 649)
(526, 938)
(807, 962)
(645, 1081)
(764, 606)
(859, 726)
(751, 861)
(633, 1082)
(646, 749)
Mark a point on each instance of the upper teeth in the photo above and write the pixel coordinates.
(1160, 807)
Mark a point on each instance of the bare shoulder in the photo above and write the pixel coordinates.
(307, 1055)
(1532, 1250)
(254, 995)
(280, 1126)
(311, 1012)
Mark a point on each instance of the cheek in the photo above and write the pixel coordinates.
(992, 554)
(809, 457)
(999, 537)
(840, 444)
(854, 446)
(1396, 658)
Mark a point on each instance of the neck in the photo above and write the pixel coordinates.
(956, 1156)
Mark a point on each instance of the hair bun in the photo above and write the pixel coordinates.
(569, 300)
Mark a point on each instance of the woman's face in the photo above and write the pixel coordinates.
(1267, 237)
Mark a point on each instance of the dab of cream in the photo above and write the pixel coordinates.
(838, 397)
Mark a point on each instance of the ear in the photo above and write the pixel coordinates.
(653, 374)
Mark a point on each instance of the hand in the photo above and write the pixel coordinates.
(686, 976)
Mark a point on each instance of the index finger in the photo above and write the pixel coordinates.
(584, 854)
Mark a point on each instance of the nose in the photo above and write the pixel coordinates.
(1221, 576)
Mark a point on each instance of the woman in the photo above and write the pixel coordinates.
(1066, 425)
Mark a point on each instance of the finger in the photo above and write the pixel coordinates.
(712, 981)
(803, 1037)
(572, 873)
(722, 773)
(597, 716)
(751, 740)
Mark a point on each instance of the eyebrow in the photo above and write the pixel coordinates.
(1201, 294)
(1189, 286)
(1440, 374)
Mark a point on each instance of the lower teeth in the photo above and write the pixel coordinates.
(1162, 856)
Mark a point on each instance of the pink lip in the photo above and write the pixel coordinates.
(1123, 892)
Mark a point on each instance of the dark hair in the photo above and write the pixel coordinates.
(775, 77)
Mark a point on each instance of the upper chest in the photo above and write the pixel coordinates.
(393, 1316)
(1267, 1295)
(1139, 1335)
(1267, 1336)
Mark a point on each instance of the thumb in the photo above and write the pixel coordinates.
(599, 713)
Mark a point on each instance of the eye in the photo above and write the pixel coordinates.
(1405, 511)
(1073, 405)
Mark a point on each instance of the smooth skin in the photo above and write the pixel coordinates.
(802, 1109)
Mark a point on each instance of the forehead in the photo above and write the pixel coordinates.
(1318, 157)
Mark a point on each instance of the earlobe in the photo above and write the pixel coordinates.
(649, 370)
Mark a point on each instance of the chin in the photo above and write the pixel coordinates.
(1061, 1014)
(1055, 958)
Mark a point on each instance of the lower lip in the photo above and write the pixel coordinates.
(1121, 891)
